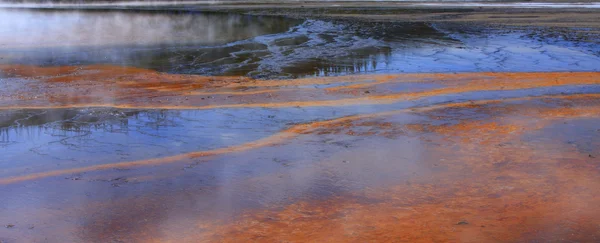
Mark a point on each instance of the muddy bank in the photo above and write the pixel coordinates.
(510, 13)
(452, 13)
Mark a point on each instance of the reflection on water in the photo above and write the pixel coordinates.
(168, 167)
(120, 135)
(415, 157)
(400, 163)
(267, 47)
(64, 28)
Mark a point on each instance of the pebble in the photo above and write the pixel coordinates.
(462, 222)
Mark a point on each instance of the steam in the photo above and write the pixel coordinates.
(27, 29)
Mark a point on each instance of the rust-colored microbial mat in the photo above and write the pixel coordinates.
(115, 154)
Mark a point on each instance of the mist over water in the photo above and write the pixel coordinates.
(274, 47)
(110, 153)
(55, 28)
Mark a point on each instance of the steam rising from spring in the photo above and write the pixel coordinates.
(25, 29)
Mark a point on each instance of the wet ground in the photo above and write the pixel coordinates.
(271, 129)
(278, 47)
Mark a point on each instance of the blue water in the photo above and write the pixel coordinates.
(270, 47)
